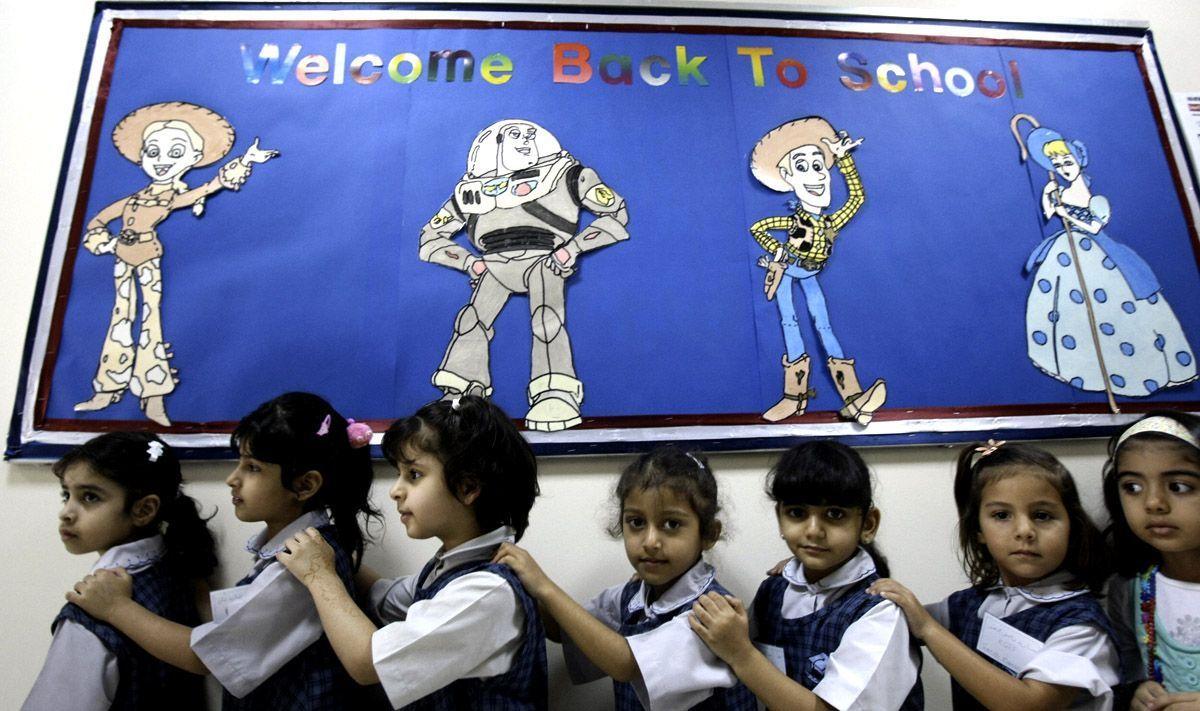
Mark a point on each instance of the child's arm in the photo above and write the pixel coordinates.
(349, 630)
(107, 595)
(991, 686)
(605, 647)
(724, 626)
(79, 673)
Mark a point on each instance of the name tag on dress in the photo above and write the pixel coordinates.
(227, 601)
(1006, 644)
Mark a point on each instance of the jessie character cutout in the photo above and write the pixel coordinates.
(798, 158)
(520, 204)
(166, 140)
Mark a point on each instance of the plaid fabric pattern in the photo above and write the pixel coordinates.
(812, 250)
(736, 698)
(521, 688)
(808, 641)
(314, 680)
(145, 682)
(1039, 622)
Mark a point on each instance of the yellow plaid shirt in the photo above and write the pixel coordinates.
(822, 229)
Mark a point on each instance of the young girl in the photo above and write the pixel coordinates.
(1152, 490)
(300, 465)
(820, 640)
(635, 632)
(463, 633)
(122, 498)
(1029, 632)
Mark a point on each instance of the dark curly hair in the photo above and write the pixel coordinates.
(685, 473)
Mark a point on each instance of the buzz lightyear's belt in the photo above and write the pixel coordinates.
(132, 237)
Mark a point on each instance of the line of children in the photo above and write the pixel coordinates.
(825, 631)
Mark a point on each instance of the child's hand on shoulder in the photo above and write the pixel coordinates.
(721, 621)
(307, 556)
(1152, 696)
(919, 619)
(99, 593)
(532, 577)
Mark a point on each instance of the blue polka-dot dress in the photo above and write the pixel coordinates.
(1141, 341)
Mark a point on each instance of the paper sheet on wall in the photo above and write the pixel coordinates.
(1187, 108)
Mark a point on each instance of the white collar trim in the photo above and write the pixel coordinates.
(133, 556)
(852, 571)
(267, 550)
(682, 592)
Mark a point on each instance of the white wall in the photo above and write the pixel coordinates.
(41, 48)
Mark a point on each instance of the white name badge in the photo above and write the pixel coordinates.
(227, 601)
(1006, 644)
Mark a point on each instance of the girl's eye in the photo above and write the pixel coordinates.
(1000, 515)
(835, 514)
(64, 495)
(672, 524)
(634, 521)
(794, 513)
(1131, 487)
(414, 475)
(1180, 487)
(1042, 516)
(89, 498)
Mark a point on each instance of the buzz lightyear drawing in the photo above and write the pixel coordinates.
(520, 202)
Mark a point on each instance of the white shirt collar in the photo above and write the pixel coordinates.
(1056, 586)
(683, 591)
(267, 550)
(852, 571)
(133, 556)
(478, 548)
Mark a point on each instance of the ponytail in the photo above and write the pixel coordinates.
(190, 546)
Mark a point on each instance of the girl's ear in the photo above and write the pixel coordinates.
(145, 510)
(307, 484)
(870, 525)
(716, 535)
(468, 492)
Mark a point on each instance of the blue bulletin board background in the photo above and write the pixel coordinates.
(309, 278)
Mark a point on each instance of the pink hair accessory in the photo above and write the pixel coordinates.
(359, 433)
(988, 447)
(324, 428)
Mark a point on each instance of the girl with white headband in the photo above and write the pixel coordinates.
(1152, 490)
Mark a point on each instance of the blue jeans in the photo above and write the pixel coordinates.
(815, 298)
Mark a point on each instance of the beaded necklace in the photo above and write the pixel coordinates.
(1147, 584)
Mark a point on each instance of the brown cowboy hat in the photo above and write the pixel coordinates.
(213, 128)
(781, 140)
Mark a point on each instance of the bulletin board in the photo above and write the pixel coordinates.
(729, 228)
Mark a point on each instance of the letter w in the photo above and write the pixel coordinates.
(268, 54)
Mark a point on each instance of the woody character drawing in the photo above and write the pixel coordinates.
(166, 140)
(798, 157)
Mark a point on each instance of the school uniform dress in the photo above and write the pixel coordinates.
(463, 633)
(676, 669)
(1077, 646)
(265, 644)
(850, 648)
(91, 666)
(1176, 630)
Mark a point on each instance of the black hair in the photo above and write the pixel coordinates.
(1130, 554)
(825, 473)
(977, 468)
(302, 432)
(480, 449)
(143, 465)
(685, 473)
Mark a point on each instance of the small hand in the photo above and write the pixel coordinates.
(842, 145)
(1181, 701)
(99, 593)
(721, 621)
(561, 261)
(532, 577)
(254, 154)
(1147, 692)
(307, 556)
(919, 619)
(1061, 211)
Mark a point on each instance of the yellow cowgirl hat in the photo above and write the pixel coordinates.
(781, 140)
(212, 128)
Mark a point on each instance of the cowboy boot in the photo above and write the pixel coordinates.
(155, 410)
(795, 391)
(99, 401)
(860, 405)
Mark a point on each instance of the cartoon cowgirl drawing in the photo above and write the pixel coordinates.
(1096, 317)
(166, 140)
(797, 157)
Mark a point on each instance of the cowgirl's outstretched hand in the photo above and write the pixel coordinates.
(721, 621)
(102, 591)
(307, 556)
(919, 619)
(254, 154)
(532, 577)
